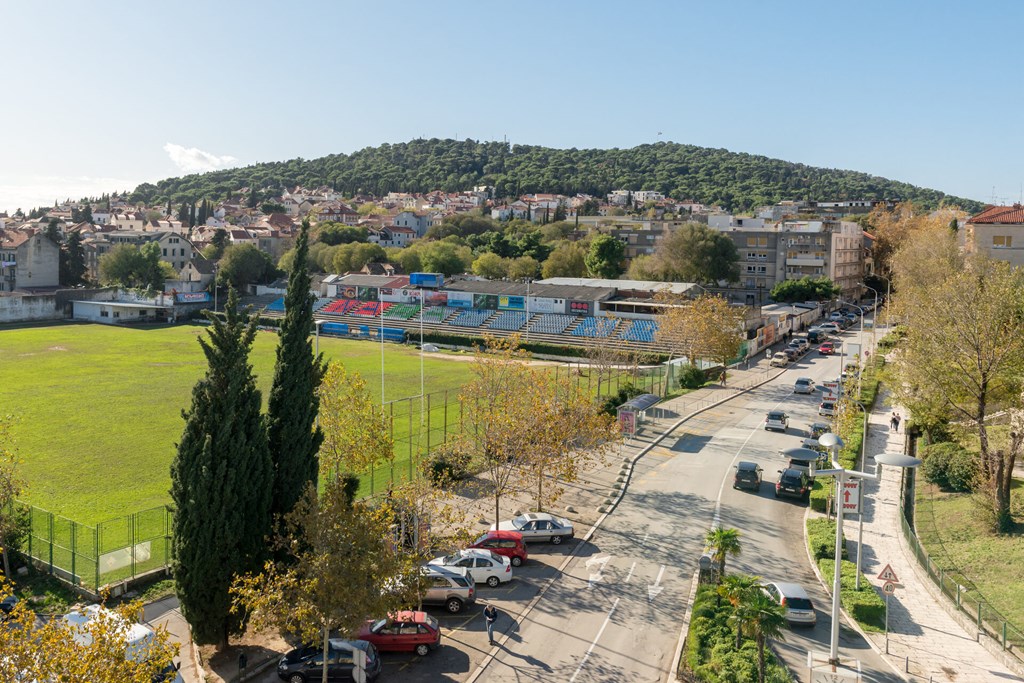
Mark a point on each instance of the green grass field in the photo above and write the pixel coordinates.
(100, 407)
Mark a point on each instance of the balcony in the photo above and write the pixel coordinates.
(806, 260)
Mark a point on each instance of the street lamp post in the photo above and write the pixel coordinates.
(888, 288)
(874, 316)
(860, 375)
(833, 443)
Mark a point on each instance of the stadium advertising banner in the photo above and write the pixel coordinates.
(367, 293)
(394, 295)
(348, 292)
(511, 303)
(544, 305)
(435, 298)
(485, 301)
(579, 307)
(460, 299)
(192, 297)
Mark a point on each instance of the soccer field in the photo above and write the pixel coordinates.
(100, 406)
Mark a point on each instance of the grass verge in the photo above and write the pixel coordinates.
(866, 606)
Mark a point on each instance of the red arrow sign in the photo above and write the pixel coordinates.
(846, 496)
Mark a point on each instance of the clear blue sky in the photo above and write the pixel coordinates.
(104, 95)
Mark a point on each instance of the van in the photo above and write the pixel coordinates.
(138, 637)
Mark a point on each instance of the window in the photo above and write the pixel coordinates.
(1003, 241)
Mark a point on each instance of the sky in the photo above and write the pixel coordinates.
(102, 96)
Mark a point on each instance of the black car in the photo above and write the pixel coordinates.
(794, 484)
(748, 476)
(305, 664)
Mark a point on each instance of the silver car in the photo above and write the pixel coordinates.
(799, 608)
(539, 526)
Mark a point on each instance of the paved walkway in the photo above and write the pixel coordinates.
(924, 640)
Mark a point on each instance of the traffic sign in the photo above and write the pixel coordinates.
(888, 587)
(850, 497)
(888, 575)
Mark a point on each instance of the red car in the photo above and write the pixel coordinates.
(507, 543)
(405, 631)
(826, 349)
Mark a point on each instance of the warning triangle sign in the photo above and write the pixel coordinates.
(888, 575)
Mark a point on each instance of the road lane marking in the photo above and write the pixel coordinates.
(630, 574)
(653, 591)
(600, 563)
(591, 648)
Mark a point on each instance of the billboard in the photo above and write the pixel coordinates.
(511, 303)
(485, 301)
(543, 305)
(579, 307)
(348, 292)
(435, 298)
(460, 299)
(428, 280)
(366, 293)
(191, 297)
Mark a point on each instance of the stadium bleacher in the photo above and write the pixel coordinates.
(277, 305)
(595, 327)
(320, 303)
(471, 317)
(640, 330)
(436, 314)
(551, 323)
(401, 311)
(508, 320)
(341, 306)
(371, 309)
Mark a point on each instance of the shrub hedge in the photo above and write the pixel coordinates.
(821, 538)
(949, 466)
(710, 654)
(866, 606)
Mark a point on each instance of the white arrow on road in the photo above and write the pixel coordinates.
(656, 588)
(595, 566)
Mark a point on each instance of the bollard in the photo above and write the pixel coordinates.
(906, 665)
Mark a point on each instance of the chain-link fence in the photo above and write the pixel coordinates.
(89, 556)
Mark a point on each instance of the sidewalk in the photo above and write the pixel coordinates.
(924, 640)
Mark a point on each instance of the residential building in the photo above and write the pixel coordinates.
(175, 249)
(415, 220)
(28, 261)
(996, 232)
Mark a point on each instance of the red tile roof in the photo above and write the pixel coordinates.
(1000, 214)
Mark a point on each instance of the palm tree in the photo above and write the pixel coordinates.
(724, 542)
(736, 590)
(764, 619)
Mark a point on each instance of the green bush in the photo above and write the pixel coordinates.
(690, 376)
(821, 538)
(445, 465)
(949, 466)
(866, 606)
(819, 493)
(612, 402)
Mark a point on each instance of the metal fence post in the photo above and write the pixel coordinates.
(31, 530)
(428, 423)
(96, 544)
(1004, 635)
(74, 551)
(51, 541)
(131, 539)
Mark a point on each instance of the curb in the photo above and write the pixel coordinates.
(673, 674)
(482, 667)
(850, 621)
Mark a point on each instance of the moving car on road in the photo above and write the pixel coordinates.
(827, 408)
(485, 566)
(804, 385)
(776, 420)
(826, 349)
(793, 484)
(748, 476)
(405, 631)
(538, 526)
(799, 608)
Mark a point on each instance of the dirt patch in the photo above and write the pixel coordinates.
(56, 348)
(258, 648)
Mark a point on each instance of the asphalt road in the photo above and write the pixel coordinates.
(623, 625)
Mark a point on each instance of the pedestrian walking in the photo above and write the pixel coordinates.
(896, 422)
(490, 616)
(892, 422)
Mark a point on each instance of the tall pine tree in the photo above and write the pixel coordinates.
(293, 406)
(221, 481)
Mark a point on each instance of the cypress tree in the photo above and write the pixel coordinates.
(292, 409)
(221, 481)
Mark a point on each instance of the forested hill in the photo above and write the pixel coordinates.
(710, 176)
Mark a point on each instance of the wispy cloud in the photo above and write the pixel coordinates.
(195, 160)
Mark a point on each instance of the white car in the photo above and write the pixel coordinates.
(830, 328)
(779, 360)
(539, 526)
(799, 608)
(485, 566)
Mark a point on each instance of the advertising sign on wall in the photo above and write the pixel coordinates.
(460, 299)
(192, 297)
(367, 293)
(485, 301)
(579, 307)
(544, 305)
(348, 292)
(432, 298)
(511, 303)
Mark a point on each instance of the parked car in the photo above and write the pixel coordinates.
(826, 349)
(803, 385)
(804, 465)
(827, 408)
(801, 342)
(792, 353)
(799, 608)
(539, 526)
(793, 483)
(776, 419)
(748, 476)
(830, 327)
(835, 316)
(506, 543)
(815, 335)
(816, 429)
(406, 631)
(452, 587)
(306, 663)
(779, 360)
(485, 566)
